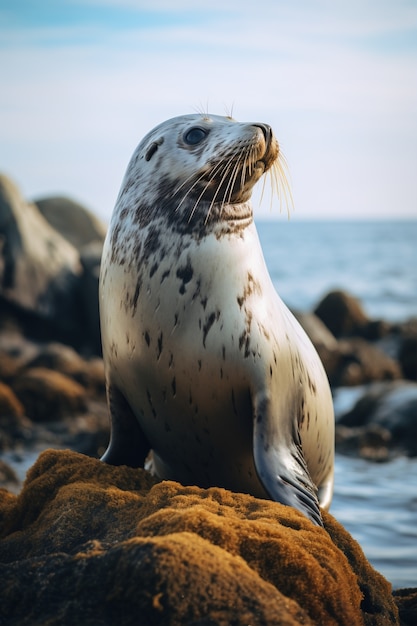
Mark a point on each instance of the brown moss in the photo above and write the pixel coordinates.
(177, 555)
(48, 395)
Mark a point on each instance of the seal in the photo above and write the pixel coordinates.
(205, 365)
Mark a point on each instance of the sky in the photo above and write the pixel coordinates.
(82, 81)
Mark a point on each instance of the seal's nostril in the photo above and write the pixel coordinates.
(267, 131)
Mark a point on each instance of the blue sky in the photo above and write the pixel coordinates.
(83, 81)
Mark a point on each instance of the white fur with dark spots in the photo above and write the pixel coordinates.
(205, 365)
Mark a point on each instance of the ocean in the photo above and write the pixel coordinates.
(376, 261)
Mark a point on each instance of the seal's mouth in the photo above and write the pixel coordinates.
(228, 179)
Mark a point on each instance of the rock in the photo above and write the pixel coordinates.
(63, 392)
(39, 269)
(8, 477)
(49, 269)
(9, 366)
(104, 545)
(407, 356)
(401, 345)
(370, 442)
(342, 313)
(90, 257)
(344, 316)
(15, 427)
(317, 331)
(361, 362)
(389, 406)
(65, 360)
(323, 340)
(406, 600)
(73, 221)
(48, 395)
(10, 406)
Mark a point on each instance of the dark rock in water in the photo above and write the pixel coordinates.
(342, 313)
(401, 345)
(352, 361)
(407, 356)
(361, 362)
(372, 443)
(389, 407)
(72, 220)
(406, 600)
(86, 542)
(344, 316)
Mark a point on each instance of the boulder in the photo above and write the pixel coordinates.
(401, 345)
(72, 220)
(387, 408)
(8, 476)
(361, 362)
(406, 600)
(344, 316)
(342, 313)
(39, 269)
(65, 360)
(407, 356)
(49, 269)
(86, 542)
(323, 340)
(48, 395)
(15, 428)
(90, 257)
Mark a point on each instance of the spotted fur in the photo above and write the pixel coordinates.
(205, 365)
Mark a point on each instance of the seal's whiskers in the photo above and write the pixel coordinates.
(225, 173)
(233, 177)
(280, 179)
(214, 172)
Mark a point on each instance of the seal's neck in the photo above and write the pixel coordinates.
(218, 218)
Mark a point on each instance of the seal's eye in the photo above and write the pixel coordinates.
(195, 135)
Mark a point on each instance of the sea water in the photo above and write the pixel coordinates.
(376, 262)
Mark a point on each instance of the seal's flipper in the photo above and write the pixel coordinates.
(128, 444)
(282, 469)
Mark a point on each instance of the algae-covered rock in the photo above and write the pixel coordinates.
(88, 543)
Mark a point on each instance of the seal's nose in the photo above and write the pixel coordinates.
(267, 131)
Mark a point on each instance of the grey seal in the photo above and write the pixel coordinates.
(205, 365)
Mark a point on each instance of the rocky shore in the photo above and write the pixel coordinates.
(84, 543)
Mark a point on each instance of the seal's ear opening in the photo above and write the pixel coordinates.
(151, 151)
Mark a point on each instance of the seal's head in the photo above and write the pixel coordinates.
(204, 164)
